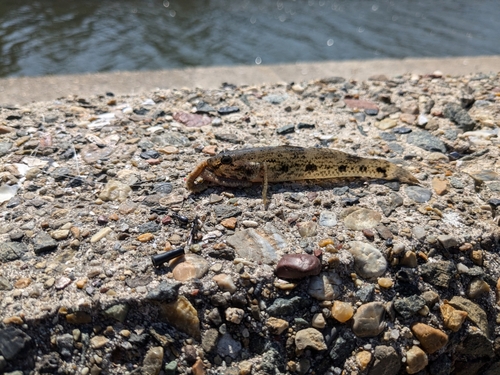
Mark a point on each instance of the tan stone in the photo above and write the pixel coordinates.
(229, 223)
(416, 360)
(477, 288)
(477, 257)
(342, 311)
(145, 237)
(363, 358)
(440, 186)
(198, 367)
(13, 320)
(245, 367)
(183, 316)
(276, 326)
(408, 118)
(452, 318)
(318, 321)
(385, 282)
(310, 338)
(431, 339)
(80, 283)
(189, 266)
(225, 282)
(409, 259)
(98, 342)
(23, 282)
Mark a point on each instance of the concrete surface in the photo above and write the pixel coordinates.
(28, 89)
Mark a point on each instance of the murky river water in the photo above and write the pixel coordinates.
(60, 36)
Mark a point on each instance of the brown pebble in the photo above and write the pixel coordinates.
(440, 186)
(368, 234)
(229, 223)
(298, 266)
(210, 150)
(198, 368)
(13, 320)
(326, 242)
(431, 339)
(114, 217)
(22, 283)
(145, 237)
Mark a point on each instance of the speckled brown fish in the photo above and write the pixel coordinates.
(242, 168)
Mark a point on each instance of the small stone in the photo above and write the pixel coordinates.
(145, 237)
(276, 326)
(12, 342)
(43, 243)
(227, 346)
(62, 282)
(438, 273)
(408, 306)
(60, 234)
(171, 368)
(198, 367)
(100, 235)
(192, 120)
(298, 266)
(409, 259)
(431, 339)
(229, 223)
(309, 338)
(286, 306)
(416, 360)
(10, 251)
(227, 110)
(234, 315)
(115, 191)
(426, 141)
(79, 317)
(308, 229)
(153, 361)
(98, 342)
(342, 311)
(386, 124)
(363, 359)
(477, 288)
(251, 245)
(369, 262)
(387, 361)
(245, 367)
(418, 194)
(327, 219)
(189, 266)
(440, 186)
(225, 282)
(118, 312)
(182, 315)
(22, 283)
(286, 129)
(362, 218)
(459, 116)
(318, 321)
(325, 287)
(209, 340)
(408, 118)
(452, 318)
(368, 321)
(13, 320)
(385, 282)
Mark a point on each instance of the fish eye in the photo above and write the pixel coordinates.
(226, 159)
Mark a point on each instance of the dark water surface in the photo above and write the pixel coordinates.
(64, 36)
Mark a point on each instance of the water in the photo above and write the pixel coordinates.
(61, 37)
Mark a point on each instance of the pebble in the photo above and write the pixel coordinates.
(153, 361)
(182, 315)
(189, 266)
(408, 306)
(369, 262)
(363, 359)
(309, 338)
(117, 312)
(10, 251)
(62, 282)
(145, 237)
(234, 315)
(227, 110)
(418, 193)
(416, 360)
(276, 326)
(225, 282)
(362, 218)
(286, 306)
(459, 116)
(452, 318)
(368, 321)
(198, 367)
(12, 342)
(100, 235)
(250, 245)
(286, 129)
(386, 361)
(438, 273)
(298, 266)
(426, 141)
(440, 186)
(227, 346)
(342, 311)
(477, 288)
(325, 287)
(43, 243)
(327, 219)
(229, 223)
(98, 342)
(431, 339)
(386, 124)
(22, 283)
(191, 120)
(307, 229)
(385, 282)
